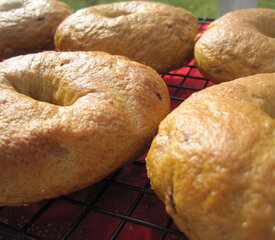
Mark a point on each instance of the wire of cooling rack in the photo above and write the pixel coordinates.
(121, 205)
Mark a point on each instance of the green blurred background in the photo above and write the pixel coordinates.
(200, 8)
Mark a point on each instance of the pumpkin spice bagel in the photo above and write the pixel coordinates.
(69, 119)
(213, 161)
(29, 25)
(239, 44)
(155, 34)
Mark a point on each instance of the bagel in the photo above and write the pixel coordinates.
(213, 161)
(239, 44)
(69, 119)
(28, 26)
(154, 34)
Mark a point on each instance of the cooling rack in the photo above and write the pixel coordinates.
(121, 207)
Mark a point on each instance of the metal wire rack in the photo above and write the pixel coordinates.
(122, 206)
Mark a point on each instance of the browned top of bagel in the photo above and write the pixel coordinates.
(29, 25)
(213, 161)
(69, 119)
(155, 34)
(241, 43)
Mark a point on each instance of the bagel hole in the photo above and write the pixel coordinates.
(42, 95)
(46, 99)
(264, 105)
(113, 13)
(266, 28)
(11, 5)
(270, 111)
(268, 32)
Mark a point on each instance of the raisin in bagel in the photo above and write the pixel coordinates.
(69, 119)
(239, 44)
(213, 161)
(29, 25)
(155, 34)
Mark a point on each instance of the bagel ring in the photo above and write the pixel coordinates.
(29, 25)
(213, 161)
(69, 119)
(239, 44)
(154, 34)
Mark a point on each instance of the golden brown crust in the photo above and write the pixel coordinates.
(155, 34)
(239, 44)
(213, 160)
(29, 25)
(93, 113)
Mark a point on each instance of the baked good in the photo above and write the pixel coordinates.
(69, 119)
(155, 34)
(29, 25)
(212, 162)
(239, 44)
